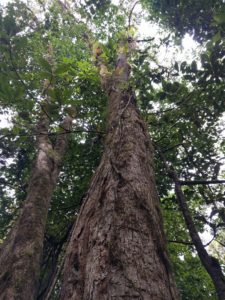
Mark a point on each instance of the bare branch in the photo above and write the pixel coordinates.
(196, 182)
(222, 244)
(130, 15)
(145, 40)
(181, 242)
(11, 135)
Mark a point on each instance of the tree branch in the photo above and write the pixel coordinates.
(51, 133)
(196, 182)
(130, 15)
(145, 40)
(222, 244)
(181, 242)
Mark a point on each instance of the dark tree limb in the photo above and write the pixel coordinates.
(181, 242)
(11, 135)
(145, 40)
(196, 182)
(210, 263)
(130, 15)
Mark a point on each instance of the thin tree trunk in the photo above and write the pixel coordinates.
(20, 255)
(118, 248)
(210, 263)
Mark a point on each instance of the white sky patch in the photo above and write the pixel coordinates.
(5, 120)
(5, 2)
(206, 236)
(187, 51)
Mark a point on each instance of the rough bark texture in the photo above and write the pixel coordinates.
(49, 280)
(20, 255)
(211, 264)
(118, 248)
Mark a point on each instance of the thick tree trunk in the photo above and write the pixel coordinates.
(20, 255)
(118, 248)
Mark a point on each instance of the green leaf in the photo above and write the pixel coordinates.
(217, 37)
(61, 69)
(45, 64)
(219, 18)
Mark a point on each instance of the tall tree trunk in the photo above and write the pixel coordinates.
(118, 248)
(20, 255)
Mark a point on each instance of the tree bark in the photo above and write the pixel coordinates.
(20, 255)
(118, 248)
(49, 279)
